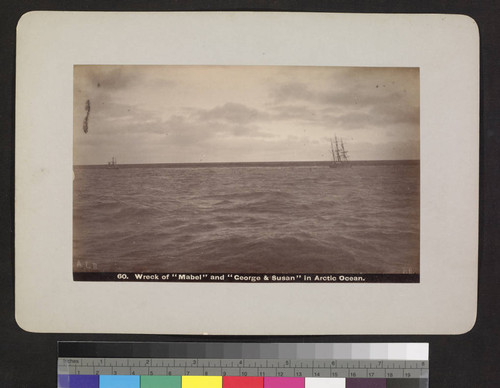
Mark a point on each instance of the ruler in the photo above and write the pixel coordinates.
(393, 365)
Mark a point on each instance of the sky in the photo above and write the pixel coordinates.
(193, 114)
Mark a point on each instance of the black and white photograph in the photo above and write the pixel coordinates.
(227, 173)
(246, 173)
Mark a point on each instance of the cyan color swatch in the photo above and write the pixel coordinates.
(115, 381)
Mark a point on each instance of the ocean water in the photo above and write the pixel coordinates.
(252, 219)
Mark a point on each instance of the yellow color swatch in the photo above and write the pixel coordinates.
(201, 381)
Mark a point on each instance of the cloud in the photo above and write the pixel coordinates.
(296, 112)
(198, 128)
(233, 113)
(286, 112)
(292, 91)
(341, 95)
(381, 116)
(353, 99)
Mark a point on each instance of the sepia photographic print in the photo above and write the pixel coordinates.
(246, 173)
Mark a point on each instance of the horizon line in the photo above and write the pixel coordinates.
(303, 162)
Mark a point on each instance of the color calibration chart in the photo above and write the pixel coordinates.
(242, 365)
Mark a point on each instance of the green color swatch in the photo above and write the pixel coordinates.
(160, 381)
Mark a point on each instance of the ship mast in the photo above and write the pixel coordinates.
(337, 150)
(333, 150)
(344, 152)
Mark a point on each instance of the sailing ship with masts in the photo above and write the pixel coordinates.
(340, 157)
(113, 163)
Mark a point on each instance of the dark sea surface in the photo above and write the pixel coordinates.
(289, 218)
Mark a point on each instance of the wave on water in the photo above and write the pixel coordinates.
(291, 219)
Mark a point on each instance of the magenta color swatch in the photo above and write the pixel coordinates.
(284, 382)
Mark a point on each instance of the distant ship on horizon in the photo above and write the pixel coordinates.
(340, 157)
(113, 163)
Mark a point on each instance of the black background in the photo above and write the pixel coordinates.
(468, 360)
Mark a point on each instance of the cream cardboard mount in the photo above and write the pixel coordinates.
(445, 48)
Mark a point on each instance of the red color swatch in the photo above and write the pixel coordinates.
(242, 382)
